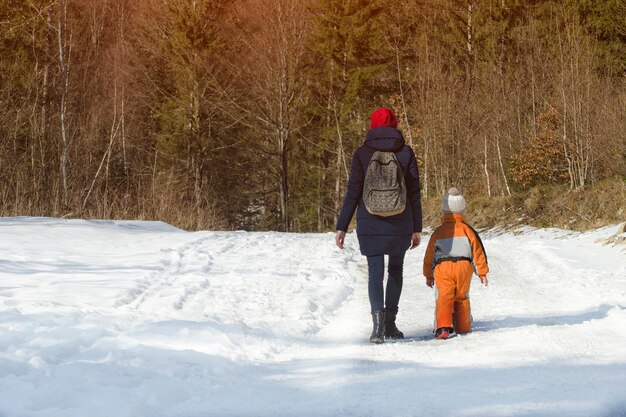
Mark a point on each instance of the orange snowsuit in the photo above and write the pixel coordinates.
(452, 249)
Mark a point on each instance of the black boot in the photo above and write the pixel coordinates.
(378, 332)
(391, 331)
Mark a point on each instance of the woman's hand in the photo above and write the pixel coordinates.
(415, 240)
(430, 282)
(340, 238)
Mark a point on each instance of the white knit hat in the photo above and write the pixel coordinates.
(453, 202)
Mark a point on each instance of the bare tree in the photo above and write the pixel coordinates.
(65, 50)
(271, 78)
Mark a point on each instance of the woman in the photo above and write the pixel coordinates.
(378, 235)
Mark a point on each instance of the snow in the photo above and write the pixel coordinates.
(123, 318)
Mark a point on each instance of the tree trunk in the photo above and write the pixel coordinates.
(487, 170)
(506, 182)
(404, 109)
(338, 196)
(426, 169)
(283, 184)
(564, 137)
(470, 87)
(64, 71)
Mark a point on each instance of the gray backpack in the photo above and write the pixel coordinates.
(384, 190)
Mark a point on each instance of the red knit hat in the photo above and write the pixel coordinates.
(383, 117)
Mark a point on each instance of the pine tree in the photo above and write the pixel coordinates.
(349, 56)
(183, 45)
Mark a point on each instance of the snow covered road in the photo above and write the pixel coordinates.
(101, 318)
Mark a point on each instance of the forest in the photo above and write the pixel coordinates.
(244, 114)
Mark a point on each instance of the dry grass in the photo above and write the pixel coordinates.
(602, 204)
(165, 204)
(599, 205)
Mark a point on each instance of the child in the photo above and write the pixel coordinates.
(452, 249)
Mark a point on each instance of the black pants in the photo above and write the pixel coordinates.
(376, 269)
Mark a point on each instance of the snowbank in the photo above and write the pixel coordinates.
(101, 318)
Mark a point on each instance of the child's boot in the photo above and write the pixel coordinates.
(443, 332)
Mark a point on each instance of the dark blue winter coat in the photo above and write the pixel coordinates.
(382, 235)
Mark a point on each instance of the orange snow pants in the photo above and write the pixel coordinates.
(453, 305)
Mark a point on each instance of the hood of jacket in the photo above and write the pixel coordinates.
(385, 138)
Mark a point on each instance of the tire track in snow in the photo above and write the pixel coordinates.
(201, 261)
(155, 284)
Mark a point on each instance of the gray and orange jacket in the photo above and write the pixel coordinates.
(455, 240)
